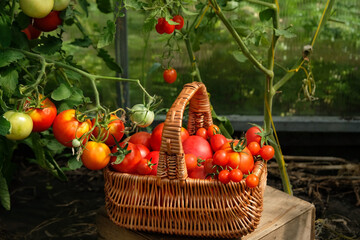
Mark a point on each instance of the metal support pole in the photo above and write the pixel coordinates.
(121, 55)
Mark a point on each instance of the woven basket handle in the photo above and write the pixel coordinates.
(172, 158)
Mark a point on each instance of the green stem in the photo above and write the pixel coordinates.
(268, 101)
(192, 58)
(12, 10)
(239, 40)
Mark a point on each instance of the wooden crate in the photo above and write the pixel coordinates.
(284, 217)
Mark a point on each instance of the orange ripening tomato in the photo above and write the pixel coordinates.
(67, 127)
(42, 116)
(96, 155)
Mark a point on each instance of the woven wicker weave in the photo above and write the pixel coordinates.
(170, 202)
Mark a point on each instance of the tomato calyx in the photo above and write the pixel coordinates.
(120, 153)
(200, 161)
(238, 146)
(265, 136)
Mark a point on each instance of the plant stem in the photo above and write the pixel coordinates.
(239, 40)
(262, 3)
(192, 58)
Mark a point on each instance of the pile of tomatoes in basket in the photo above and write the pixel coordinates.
(208, 154)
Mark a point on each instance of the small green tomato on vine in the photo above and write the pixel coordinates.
(141, 116)
(21, 125)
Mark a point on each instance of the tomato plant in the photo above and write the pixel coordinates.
(31, 32)
(48, 23)
(67, 127)
(21, 125)
(60, 5)
(111, 129)
(180, 20)
(36, 8)
(141, 116)
(96, 155)
(170, 75)
(42, 113)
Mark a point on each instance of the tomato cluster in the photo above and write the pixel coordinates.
(164, 26)
(44, 14)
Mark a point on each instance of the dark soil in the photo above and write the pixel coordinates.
(45, 208)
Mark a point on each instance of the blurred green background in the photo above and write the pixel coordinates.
(237, 87)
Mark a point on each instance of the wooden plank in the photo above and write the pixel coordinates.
(284, 217)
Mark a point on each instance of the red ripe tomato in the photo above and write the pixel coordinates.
(191, 161)
(227, 145)
(254, 148)
(143, 138)
(224, 176)
(220, 158)
(234, 160)
(267, 152)
(202, 132)
(144, 167)
(198, 173)
(96, 155)
(43, 115)
(31, 32)
(129, 161)
(197, 146)
(167, 27)
(155, 140)
(144, 151)
(66, 127)
(154, 157)
(217, 141)
(184, 134)
(252, 181)
(48, 23)
(212, 130)
(170, 75)
(246, 162)
(159, 27)
(114, 128)
(236, 175)
(179, 19)
(252, 135)
(209, 166)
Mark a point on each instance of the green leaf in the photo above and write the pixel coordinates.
(108, 35)
(4, 126)
(5, 31)
(223, 123)
(239, 56)
(149, 24)
(266, 14)
(74, 164)
(54, 146)
(132, 4)
(82, 42)
(49, 45)
(61, 93)
(109, 61)
(9, 81)
(187, 12)
(4, 193)
(104, 6)
(84, 5)
(23, 20)
(284, 33)
(9, 56)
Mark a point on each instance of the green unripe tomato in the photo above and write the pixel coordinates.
(21, 125)
(60, 5)
(141, 115)
(36, 8)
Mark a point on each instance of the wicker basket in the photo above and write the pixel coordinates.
(172, 203)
